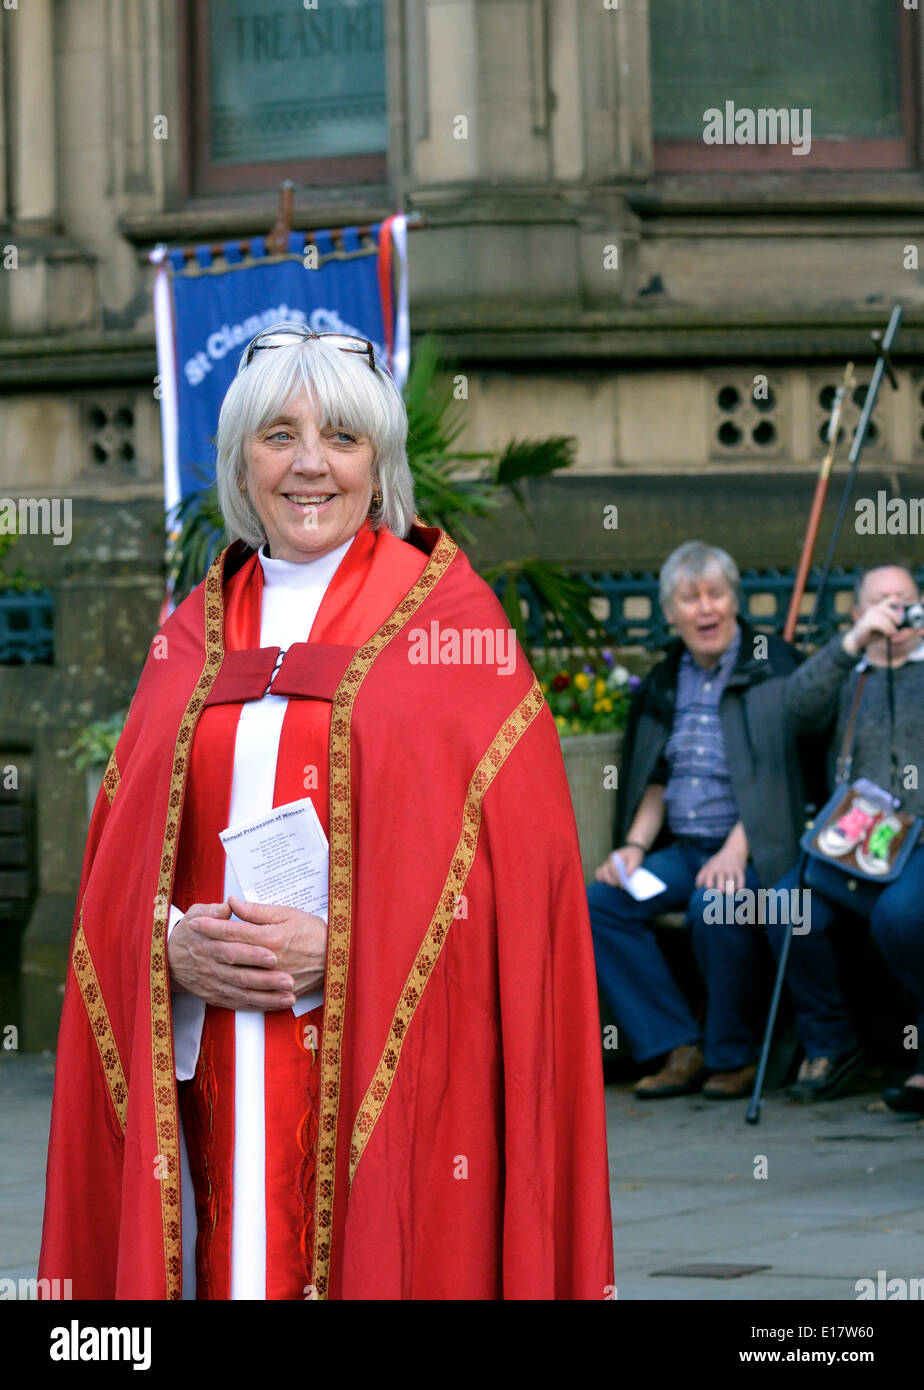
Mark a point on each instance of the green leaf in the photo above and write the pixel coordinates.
(201, 536)
(563, 601)
(535, 458)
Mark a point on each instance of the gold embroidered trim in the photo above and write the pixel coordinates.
(98, 1015)
(112, 777)
(341, 897)
(165, 1109)
(428, 954)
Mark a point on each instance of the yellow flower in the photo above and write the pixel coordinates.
(582, 680)
(599, 687)
(561, 721)
(603, 706)
(544, 687)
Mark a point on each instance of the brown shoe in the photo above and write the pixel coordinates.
(731, 1085)
(681, 1074)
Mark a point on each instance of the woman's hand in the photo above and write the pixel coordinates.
(274, 953)
(225, 963)
(631, 857)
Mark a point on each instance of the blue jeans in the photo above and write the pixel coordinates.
(897, 925)
(636, 981)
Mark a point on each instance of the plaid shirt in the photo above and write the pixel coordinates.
(699, 799)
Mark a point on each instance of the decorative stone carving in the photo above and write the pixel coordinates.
(749, 415)
(108, 430)
(879, 440)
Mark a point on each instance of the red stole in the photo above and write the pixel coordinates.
(370, 581)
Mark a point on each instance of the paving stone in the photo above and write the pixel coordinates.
(843, 1197)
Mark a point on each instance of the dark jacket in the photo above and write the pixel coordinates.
(819, 697)
(763, 753)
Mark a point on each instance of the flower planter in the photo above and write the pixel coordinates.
(587, 756)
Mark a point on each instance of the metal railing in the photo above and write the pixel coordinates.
(633, 617)
(630, 611)
(26, 627)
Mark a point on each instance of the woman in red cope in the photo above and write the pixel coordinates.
(379, 1078)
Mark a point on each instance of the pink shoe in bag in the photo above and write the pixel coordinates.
(850, 830)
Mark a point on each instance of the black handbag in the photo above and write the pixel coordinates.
(839, 865)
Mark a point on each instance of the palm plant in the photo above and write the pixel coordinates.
(18, 580)
(196, 534)
(452, 487)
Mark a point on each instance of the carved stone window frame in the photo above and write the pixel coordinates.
(198, 175)
(860, 155)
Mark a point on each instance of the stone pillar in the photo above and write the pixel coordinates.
(480, 110)
(4, 123)
(33, 165)
(527, 92)
(526, 120)
(615, 90)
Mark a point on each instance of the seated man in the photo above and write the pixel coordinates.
(708, 752)
(818, 698)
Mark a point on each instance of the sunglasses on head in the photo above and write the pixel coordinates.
(286, 334)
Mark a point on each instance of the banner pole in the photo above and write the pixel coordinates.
(166, 386)
(277, 238)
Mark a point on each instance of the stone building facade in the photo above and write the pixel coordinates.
(596, 261)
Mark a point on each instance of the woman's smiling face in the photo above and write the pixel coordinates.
(310, 486)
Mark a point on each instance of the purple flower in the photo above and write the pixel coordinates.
(608, 657)
(588, 670)
(634, 682)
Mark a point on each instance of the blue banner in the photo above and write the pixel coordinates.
(218, 308)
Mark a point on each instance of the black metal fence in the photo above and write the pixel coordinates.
(630, 609)
(26, 627)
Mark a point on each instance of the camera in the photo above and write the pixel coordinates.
(912, 615)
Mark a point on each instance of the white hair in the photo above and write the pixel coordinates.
(694, 558)
(345, 394)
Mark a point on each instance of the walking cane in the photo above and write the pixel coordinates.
(884, 343)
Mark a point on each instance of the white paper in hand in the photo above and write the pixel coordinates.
(282, 857)
(642, 884)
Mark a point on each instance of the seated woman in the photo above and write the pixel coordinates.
(389, 1088)
(711, 801)
(819, 697)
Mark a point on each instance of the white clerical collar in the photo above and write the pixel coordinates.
(301, 574)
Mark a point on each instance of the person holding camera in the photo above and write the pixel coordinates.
(886, 640)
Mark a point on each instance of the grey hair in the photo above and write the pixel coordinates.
(694, 558)
(346, 394)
